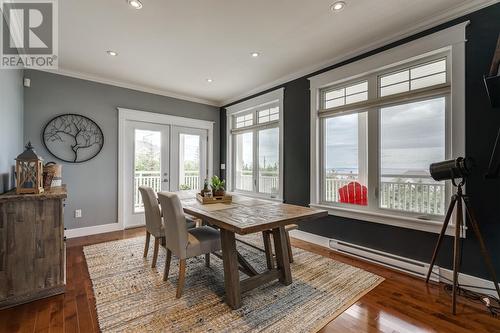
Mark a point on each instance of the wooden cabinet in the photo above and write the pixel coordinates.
(32, 248)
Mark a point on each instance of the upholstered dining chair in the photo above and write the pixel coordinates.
(184, 243)
(154, 224)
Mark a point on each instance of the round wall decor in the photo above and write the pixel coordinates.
(73, 138)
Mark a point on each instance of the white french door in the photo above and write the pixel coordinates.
(146, 163)
(163, 157)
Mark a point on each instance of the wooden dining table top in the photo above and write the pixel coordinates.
(246, 215)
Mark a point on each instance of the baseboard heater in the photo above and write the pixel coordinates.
(409, 266)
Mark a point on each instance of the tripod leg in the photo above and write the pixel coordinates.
(484, 251)
(456, 255)
(441, 235)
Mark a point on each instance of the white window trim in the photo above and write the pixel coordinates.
(244, 107)
(452, 39)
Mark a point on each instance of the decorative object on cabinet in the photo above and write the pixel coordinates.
(29, 172)
(73, 138)
(32, 262)
(56, 170)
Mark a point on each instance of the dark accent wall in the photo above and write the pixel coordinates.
(482, 123)
(93, 185)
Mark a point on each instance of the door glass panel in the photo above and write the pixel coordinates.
(147, 164)
(189, 162)
(244, 161)
(269, 161)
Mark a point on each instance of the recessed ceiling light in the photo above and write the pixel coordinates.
(112, 53)
(136, 4)
(255, 54)
(337, 6)
(210, 80)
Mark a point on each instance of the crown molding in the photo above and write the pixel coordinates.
(440, 18)
(121, 84)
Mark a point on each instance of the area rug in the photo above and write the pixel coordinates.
(132, 297)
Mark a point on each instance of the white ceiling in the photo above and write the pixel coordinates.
(172, 46)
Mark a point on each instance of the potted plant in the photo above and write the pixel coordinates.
(217, 186)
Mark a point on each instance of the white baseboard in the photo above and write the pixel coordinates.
(389, 260)
(98, 229)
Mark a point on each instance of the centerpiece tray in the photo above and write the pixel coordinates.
(217, 199)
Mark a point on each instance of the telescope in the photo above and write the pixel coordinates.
(451, 169)
(459, 168)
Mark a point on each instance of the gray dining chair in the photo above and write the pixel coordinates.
(184, 243)
(154, 225)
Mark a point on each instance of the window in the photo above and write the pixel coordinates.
(268, 115)
(384, 146)
(413, 78)
(269, 152)
(352, 93)
(244, 161)
(147, 163)
(254, 149)
(376, 125)
(243, 121)
(345, 158)
(189, 162)
(412, 135)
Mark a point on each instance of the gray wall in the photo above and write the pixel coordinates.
(11, 124)
(93, 185)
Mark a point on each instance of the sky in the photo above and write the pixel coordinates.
(411, 137)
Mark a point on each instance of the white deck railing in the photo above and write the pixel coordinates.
(153, 180)
(412, 193)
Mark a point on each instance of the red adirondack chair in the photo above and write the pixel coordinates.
(354, 193)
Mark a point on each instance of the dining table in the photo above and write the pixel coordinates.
(243, 216)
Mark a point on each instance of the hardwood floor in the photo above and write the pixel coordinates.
(400, 304)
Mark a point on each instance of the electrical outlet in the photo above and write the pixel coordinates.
(78, 213)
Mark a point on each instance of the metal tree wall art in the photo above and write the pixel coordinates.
(73, 138)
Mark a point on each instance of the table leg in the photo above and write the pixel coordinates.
(231, 274)
(266, 236)
(282, 259)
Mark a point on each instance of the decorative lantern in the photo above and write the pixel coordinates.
(29, 172)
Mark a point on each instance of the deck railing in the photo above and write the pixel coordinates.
(153, 179)
(268, 183)
(411, 193)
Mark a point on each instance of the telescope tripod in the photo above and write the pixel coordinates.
(460, 200)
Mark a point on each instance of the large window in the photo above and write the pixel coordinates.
(254, 150)
(376, 125)
(383, 143)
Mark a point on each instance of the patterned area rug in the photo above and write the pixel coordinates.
(132, 297)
